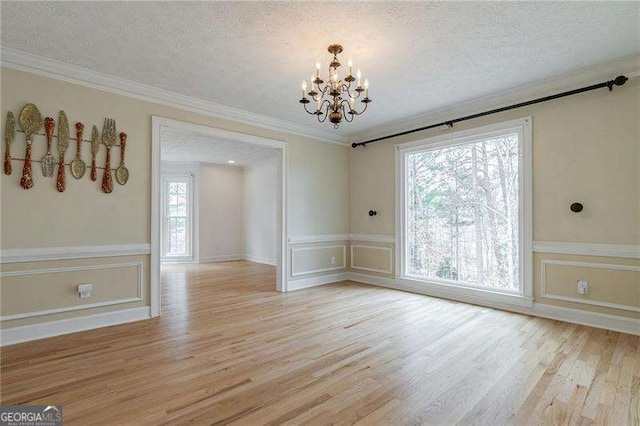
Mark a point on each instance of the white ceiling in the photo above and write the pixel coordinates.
(186, 146)
(419, 56)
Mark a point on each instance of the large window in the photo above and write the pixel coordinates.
(464, 210)
(177, 212)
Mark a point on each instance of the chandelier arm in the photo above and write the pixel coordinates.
(366, 104)
(326, 114)
(308, 112)
(356, 95)
(321, 93)
(346, 114)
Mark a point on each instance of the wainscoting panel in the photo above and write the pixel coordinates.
(36, 292)
(318, 259)
(372, 258)
(610, 285)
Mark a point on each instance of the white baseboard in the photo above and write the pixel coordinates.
(576, 316)
(25, 333)
(592, 319)
(230, 257)
(222, 258)
(258, 259)
(316, 281)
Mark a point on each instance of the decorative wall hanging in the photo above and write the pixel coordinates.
(95, 146)
(340, 102)
(122, 174)
(77, 165)
(63, 144)
(108, 139)
(9, 133)
(30, 122)
(47, 159)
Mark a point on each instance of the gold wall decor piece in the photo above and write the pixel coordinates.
(9, 134)
(122, 173)
(30, 123)
(95, 146)
(108, 139)
(47, 160)
(78, 167)
(63, 144)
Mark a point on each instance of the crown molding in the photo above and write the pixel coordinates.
(35, 64)
(629, 66)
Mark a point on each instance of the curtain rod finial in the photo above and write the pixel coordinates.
(620, 80)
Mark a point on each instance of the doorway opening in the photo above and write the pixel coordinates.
(216, 196)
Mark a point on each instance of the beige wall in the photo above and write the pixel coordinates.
(84, 216)
(259, 210)
(221, 212)
(586, 148)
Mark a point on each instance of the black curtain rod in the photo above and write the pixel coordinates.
(618, 81)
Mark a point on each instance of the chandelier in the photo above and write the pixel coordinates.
(336, 99)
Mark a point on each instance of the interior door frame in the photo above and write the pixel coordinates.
(158, 124)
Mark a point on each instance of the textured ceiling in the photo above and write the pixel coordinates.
(419, 56)
(185, 146)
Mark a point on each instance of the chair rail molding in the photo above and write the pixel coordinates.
(67, 253)
(373, 238)
(318, 238)
(588, 249)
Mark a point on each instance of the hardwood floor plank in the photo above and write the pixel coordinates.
(229, 349)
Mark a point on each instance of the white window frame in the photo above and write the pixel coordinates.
(188, 178)
(521, 126)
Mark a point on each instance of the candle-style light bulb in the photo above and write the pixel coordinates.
(304, 88)
(359, 76)
(313, 85)
(318, 69)
(351, 100)
(350, 64)
(318, 104)
(366, 88)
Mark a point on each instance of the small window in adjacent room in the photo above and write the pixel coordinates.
(177, 212)
(465, 218)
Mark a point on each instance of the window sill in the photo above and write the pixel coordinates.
(463, 293)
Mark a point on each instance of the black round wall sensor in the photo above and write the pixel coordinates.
(576, 207)
(372, 212)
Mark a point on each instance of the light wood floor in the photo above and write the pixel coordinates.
(229, 349)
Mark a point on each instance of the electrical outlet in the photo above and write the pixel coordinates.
(84, 290)
(333, 260)
(583, 287)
